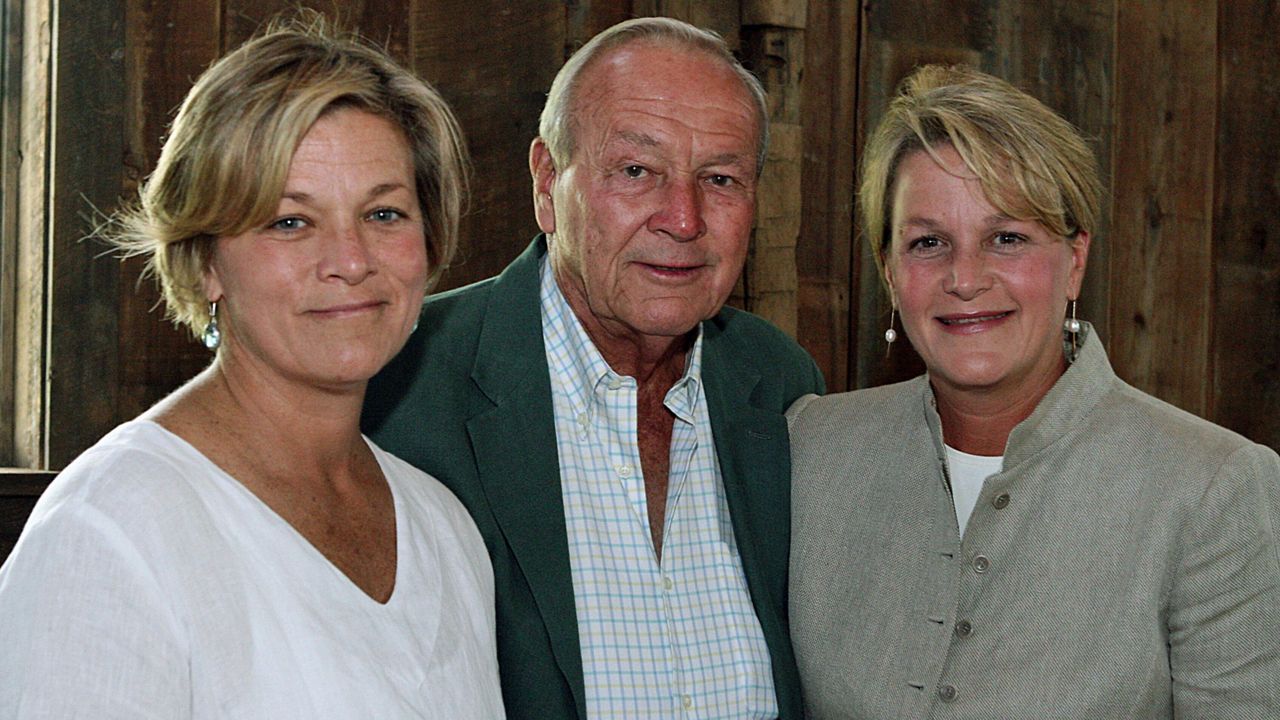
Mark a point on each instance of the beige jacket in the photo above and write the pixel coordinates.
(1123, 565)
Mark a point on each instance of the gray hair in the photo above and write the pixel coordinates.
(558, 124)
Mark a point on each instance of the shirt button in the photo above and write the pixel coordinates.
(667, 583)
(947, 693)
(1001, 501)
(686, 701)
(981, 564)
(624, 471)
(964, 629)
(614, 383)
(583, 420)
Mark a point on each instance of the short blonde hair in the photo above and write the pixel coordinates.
(1030, 162)
(557, 125)
(225, 162)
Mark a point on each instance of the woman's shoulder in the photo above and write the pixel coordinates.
(1139, 417)
(138, 470)
(848, 409)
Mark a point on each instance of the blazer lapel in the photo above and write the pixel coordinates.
(514, 441)
(752, 447)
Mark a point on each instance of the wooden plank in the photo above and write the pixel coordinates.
(167, 47)
(1162, 272)
(10, 139)
(1246, 311)
(29, 399)
(827, 241)
(776, 56)
(493, 61)
(776, 13)
(721, 16)
(88, 121)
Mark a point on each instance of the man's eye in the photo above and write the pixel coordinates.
(1009, 238)
(634, 171)
(720, 180)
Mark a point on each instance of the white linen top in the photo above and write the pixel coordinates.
(148, 583)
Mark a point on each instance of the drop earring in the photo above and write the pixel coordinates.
(212, 337)
(890, 335)
(1072, 326)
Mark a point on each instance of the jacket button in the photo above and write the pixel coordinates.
(947, 693)
(981, 564)
(964, 629)
(1001, 501)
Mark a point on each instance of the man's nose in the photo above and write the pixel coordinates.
(679, 213)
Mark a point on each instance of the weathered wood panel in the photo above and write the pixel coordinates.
(1161, 264)
(86, 173)
(494, 66)
(776, 55)
(1246, 236)
(167, 47)
(824, 250)
(10, 140)
(32, 227)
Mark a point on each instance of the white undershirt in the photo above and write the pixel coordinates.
(968, 473)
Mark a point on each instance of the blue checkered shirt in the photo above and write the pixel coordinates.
(672, 639)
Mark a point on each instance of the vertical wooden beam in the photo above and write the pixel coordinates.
(773, 47)
(10, 139)
(1246, 238)
(827, 242)
(30, 286)
(167, 46)
(1161, 264)
(494, 62)
(85, 171)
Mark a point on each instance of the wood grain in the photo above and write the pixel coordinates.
(1246, 234)
(493, 62)
(86, 174)
(827, 241)
(1161, 265)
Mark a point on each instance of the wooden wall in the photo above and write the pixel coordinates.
(1178, 96)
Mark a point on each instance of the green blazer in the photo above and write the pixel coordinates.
(468, 400)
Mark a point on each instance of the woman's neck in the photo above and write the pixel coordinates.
(978, 421)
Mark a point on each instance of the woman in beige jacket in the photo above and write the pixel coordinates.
(1018, 533)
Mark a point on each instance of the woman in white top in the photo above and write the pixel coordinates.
(241, 551)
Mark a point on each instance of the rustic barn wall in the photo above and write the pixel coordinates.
(1184, 279)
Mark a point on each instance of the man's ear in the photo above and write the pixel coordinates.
(543, 170)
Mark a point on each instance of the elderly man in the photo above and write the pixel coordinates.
(617, 435)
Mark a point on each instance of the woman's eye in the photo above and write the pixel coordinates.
(1009, 238)
(925, 244)
(386, 215)
(288, 224)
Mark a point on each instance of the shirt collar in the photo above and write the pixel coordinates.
(586, 369)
